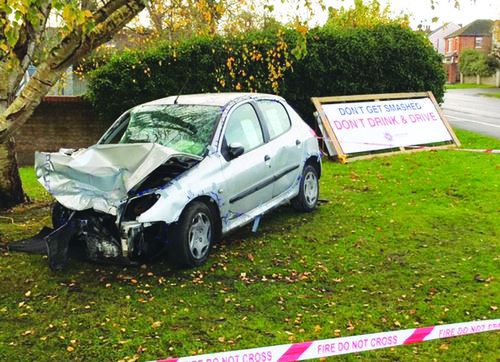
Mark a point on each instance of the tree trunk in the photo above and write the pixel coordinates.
(11, 189)
(16, 109)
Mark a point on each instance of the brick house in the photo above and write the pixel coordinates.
(476, 35)
(437, 37)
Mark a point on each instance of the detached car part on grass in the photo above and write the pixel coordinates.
(176, 175)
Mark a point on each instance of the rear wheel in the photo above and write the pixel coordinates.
(307, 199)
(193, 236)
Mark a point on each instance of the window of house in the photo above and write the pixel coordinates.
(479, 43)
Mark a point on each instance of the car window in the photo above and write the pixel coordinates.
(184, 128)
(115, 132)
(244, 128)
(275, 116)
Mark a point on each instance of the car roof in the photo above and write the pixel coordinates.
(211, 99)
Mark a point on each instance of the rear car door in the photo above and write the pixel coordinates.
(285, 146)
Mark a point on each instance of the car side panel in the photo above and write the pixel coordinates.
(248, 181)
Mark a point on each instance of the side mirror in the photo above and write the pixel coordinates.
(236, 149)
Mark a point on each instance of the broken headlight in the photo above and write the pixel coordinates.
(138, 205)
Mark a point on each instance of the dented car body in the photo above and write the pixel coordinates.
(176, 175)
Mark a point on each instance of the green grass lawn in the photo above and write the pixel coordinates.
(404, 241)
(470, 85)
(494, 95)
(467, 85)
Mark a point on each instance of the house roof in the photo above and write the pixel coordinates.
(476, 28)
(445, 27)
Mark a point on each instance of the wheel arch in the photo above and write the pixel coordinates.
(314, 161)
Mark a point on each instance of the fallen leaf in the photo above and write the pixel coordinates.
(494, 308)
(156, 324)
(350, 327)
(478, 278)
(70, 349)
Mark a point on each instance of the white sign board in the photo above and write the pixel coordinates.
(378, 125)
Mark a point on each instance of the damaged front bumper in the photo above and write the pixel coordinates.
(91, 236)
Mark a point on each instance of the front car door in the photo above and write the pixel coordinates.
(248, 177)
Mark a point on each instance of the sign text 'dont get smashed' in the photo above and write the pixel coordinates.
(377, 125)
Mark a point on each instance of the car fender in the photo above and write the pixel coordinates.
(176, 195)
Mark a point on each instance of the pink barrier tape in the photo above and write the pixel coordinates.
(344, 345)
(474, 150)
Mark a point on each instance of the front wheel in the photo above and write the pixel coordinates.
(193, 236)
(307, 199)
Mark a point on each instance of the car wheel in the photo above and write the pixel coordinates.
(193, 236)
(307, 199)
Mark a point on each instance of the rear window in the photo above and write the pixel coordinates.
(276, 118)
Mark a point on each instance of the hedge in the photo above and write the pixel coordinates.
(384, 59)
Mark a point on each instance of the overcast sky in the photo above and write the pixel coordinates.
(446, 12)
(421, 10)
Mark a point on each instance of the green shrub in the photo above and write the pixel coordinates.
(383, 59)
(475, 62)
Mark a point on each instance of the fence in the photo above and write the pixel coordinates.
(58, 122)
(492, 80)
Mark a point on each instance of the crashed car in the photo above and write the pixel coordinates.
(177, 174)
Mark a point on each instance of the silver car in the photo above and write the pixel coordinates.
(177, 174)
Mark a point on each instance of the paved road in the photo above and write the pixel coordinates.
(467, 109)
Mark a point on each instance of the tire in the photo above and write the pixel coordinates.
(307, 199)
(193, 236)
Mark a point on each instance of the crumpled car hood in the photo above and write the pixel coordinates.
(100, 176)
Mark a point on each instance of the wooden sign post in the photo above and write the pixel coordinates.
(371, 125)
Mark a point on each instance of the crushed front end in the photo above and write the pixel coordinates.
(98, 237)
(101, 192)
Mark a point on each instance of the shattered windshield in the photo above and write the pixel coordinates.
(184, 128)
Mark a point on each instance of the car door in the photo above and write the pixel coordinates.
(285, 147)
(248, 176)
